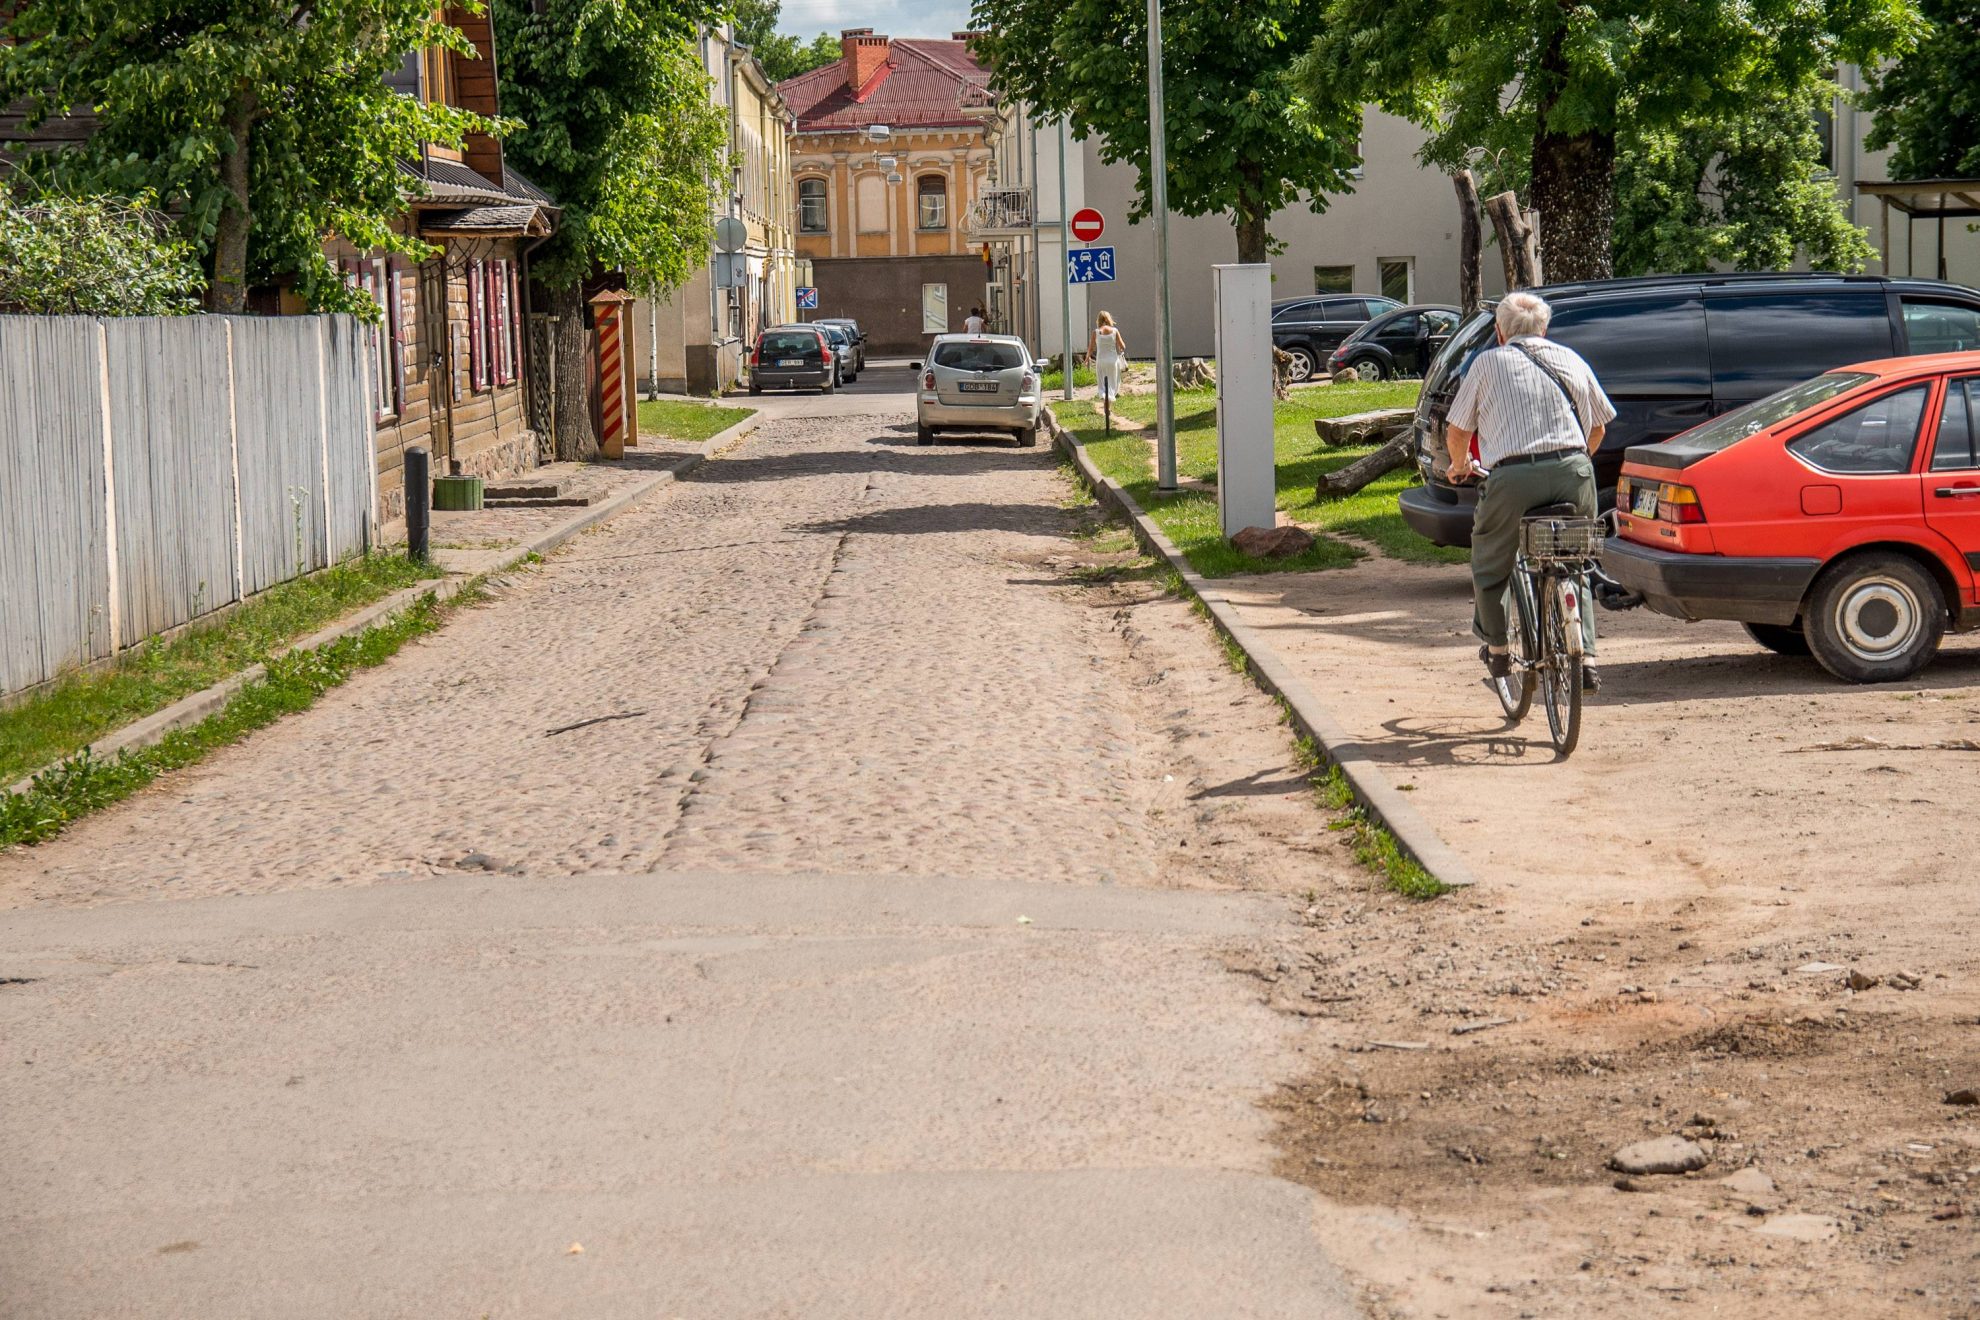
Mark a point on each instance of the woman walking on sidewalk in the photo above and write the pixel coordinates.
(1105, 349)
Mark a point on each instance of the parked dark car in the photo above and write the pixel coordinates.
(1308, 329)
(1676, 350)
(1398, 343)
(797, 356)
(851, 327)
(845, 346)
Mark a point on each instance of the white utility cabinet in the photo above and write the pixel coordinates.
(1247, 479)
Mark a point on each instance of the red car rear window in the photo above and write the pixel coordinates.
(1728, 430)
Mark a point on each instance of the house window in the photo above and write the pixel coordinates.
(1398, 278)
(480, 326)
(934, 309)
(872, 195)
(385, 287)
(1333, 279)
(811, 206)
(436, 76)
(931, 193)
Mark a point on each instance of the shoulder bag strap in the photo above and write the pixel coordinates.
(1559, 384)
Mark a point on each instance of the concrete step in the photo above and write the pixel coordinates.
(523, 490)
(492, 501)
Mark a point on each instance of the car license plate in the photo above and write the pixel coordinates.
(1643, 502)
(790, 362)
(979, 387)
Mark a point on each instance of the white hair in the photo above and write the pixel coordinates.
(1522, 314)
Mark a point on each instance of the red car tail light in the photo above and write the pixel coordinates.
(824, 348)
(756, 354)
(1679, 504)
(927, 380)
(1028, 384)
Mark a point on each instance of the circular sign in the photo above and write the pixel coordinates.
(1087, 224)
(730, 234)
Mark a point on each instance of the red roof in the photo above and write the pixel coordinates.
(921, 86)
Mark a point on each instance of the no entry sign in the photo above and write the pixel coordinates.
(1088, 224)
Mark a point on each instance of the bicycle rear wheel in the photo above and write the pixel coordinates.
(1560, 672)
(1516, 688)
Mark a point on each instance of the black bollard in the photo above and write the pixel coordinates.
(419, 503)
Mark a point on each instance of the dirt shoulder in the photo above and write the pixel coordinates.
(1661, 944)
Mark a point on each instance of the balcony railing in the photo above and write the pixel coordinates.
(1000, 211)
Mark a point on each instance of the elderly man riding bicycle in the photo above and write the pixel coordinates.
(1538, 413)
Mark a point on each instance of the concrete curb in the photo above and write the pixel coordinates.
(1380, 799)
(199, 705)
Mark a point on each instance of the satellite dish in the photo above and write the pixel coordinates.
(730, 234)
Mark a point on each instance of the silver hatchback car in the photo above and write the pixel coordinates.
(978, 383)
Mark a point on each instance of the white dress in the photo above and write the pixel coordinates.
(1107, 361)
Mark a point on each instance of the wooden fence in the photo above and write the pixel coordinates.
(153, 470)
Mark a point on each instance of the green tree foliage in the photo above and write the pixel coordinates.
(1559, 83)
(1747, 192)
(783, 57)
(1241, 139)
(263, 125)
(1927, 104)
(92, 256)
(619, 127)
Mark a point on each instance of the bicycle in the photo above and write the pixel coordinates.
(1558, 551)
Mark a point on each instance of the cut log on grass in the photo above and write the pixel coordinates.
(1361, 428)
(1348, 480)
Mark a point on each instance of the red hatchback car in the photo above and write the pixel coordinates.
(1839, 517)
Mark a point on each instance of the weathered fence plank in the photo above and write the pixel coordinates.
(155, 470)
(54, 555)
(168, 420)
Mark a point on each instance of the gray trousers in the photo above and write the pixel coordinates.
(1509, 494)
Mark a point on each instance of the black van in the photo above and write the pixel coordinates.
(1674, 350)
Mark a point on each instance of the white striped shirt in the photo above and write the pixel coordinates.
(1516, 409)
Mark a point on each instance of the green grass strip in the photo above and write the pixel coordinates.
(68, 715)
(687, 421)
(1190, 519)
(1373, 845)
(85, 783)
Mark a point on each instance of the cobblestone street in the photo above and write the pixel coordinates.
(823, 853)
(829, 650)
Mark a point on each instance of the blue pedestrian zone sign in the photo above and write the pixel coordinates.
(807, 299)
(1092, 265)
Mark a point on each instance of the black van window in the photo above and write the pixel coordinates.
(1877, 438)
(1940, 327)
(1762, 342)
(1640, 345)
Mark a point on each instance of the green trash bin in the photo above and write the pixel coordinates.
(457, 494)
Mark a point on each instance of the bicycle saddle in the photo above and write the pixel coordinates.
(1554, 511)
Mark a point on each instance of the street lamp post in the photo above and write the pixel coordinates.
(1158, 198)
(1065, 271)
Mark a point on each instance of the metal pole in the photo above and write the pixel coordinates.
(1158, 200)
(1065, 270)
(419, 504)
(1036, 339)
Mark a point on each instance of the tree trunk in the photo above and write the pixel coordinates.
(228, 291)
(1394, 453)
(1516, 240)
(1252, 239)
(577, 440)
(1253, 242)
(1471, 280)
(1574, 190)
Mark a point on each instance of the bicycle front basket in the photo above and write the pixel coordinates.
(1562, 538)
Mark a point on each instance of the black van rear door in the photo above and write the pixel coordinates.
(1647, 347)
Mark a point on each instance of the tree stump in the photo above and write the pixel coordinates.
(1346, 481)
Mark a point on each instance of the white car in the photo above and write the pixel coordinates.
(978, 383)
